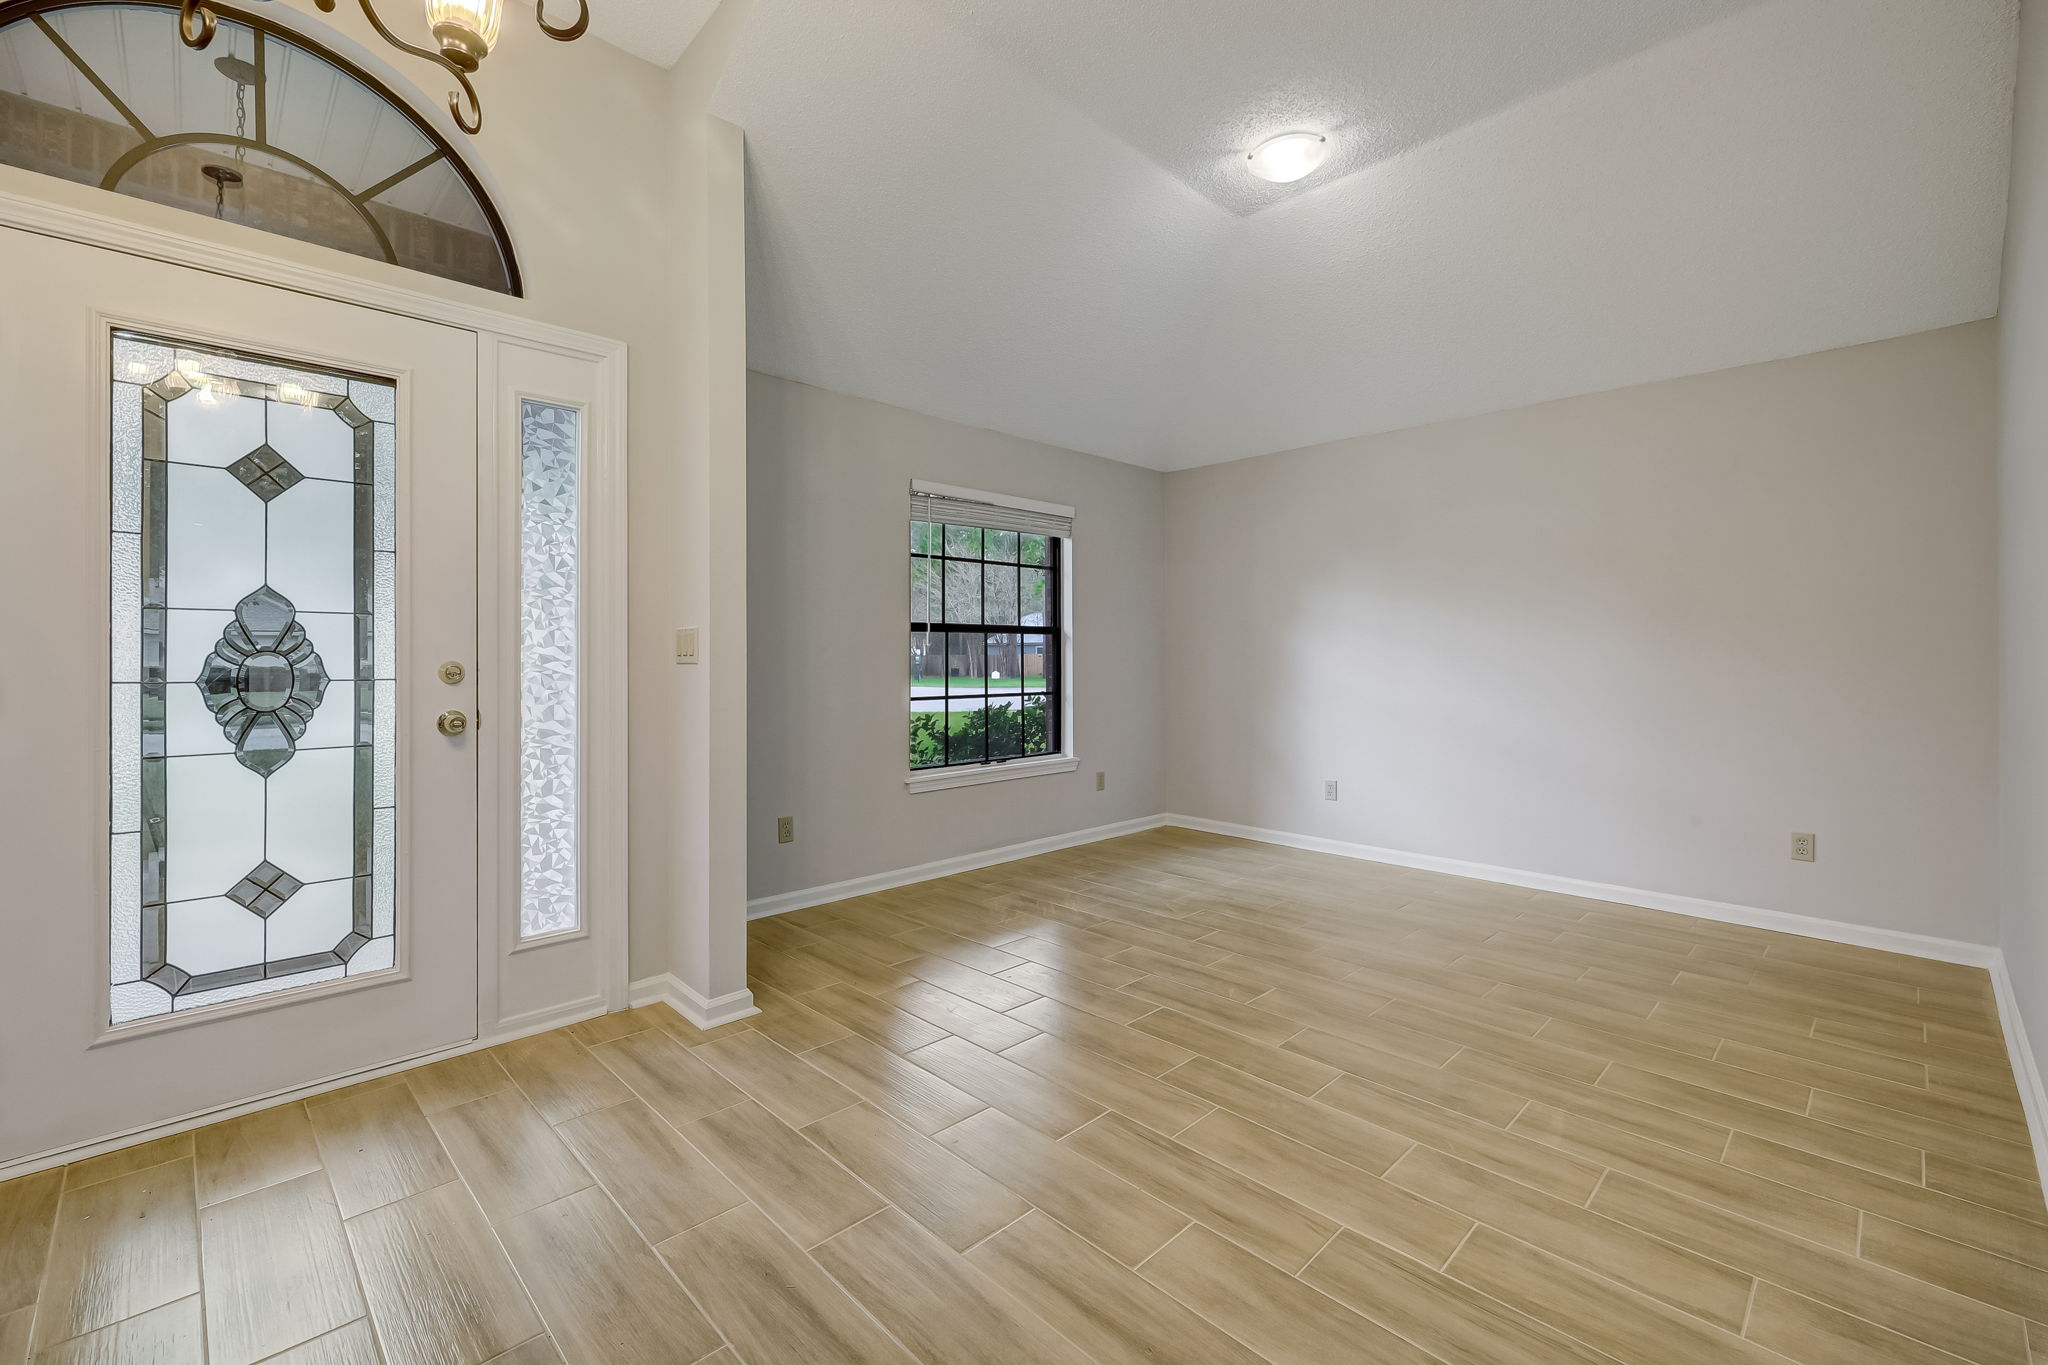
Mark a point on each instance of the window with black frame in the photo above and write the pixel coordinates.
(985, 633)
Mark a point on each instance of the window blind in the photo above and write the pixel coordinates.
(964, 507)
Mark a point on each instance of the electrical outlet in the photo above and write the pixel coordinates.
(686, 645)
(1330, 790)
(785, 830)
(1802, 848)
(1100, 780)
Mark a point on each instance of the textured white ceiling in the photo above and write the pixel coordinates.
(1026, 214)
(1194, 84)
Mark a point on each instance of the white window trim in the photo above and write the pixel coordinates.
(948, 490)
(1068, 759)
(939, 779)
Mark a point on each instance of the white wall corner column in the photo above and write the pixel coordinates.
(703, 872)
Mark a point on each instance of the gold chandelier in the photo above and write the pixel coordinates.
(465, 31)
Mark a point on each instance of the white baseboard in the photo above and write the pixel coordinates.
(945, 867)
(702, 1011)
(2026, 1072)
(511, 1030)
(1784, 922)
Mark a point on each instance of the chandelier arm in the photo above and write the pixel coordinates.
(471, 122)
(384, 32)
(567, 33)
(196, 24)
(464, 105)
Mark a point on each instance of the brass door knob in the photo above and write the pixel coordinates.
(452, 723)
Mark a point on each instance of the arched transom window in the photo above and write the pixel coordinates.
(264, 127)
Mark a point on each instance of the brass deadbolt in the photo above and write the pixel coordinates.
(453, 673)
(452, 723)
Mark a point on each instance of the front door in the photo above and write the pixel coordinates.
(238, 804)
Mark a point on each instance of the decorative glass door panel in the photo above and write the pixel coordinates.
(550, 603)
(254, 795)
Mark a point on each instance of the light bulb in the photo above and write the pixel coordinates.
(1288, 157)
(465, 29)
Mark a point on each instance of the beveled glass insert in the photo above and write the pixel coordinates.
(551, 457)
(253, 786)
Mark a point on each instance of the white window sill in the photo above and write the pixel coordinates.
(939, 779)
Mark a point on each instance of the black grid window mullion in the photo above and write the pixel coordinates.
(941, 625)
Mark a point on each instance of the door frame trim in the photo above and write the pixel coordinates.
(604, 788)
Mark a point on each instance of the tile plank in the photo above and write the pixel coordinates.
(277, 1270)
(511, 1158)
(1280, 1317)
(1264, 1221)
(674, 1082)
(1110, 1212)
(897, 1087)
(172, 1335)
(1023, 1095)
(1902, 1303)
(789, 1176)
(28, 1216)
(1447, 1318)
(950, 1197)
(560, 1076)
(776, 1078)
(934, 1302)
(247, 1153)
(771, 1299)
(120, 1247)
(1358, 1199)
(377, 1147)
(439, 1286)
(1114, 1315)
(355, 1344)
(663, 1184)
(607, 1298)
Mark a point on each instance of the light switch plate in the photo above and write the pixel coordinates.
(686, 645)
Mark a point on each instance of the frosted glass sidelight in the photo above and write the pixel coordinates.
(551, 451)
(253, 586)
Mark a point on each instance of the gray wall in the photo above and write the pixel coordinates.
(2023, 503)
(828, 651)
(1636, 638)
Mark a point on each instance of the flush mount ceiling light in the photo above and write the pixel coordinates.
(464, 31)
(1288, 157)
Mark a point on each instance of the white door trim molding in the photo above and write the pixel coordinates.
(604, 530)
(139, 239)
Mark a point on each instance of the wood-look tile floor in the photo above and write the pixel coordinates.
(1172, 1098)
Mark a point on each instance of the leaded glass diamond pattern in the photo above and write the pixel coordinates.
(271, 866)
(266, 473)
(551, 458)
(265, 890)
